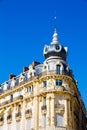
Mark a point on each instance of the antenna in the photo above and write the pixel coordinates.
(55, 23)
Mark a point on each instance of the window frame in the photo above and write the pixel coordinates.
(59, 120)
(58, 82)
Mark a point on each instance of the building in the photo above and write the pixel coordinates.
(44, 96)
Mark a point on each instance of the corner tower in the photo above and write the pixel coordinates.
(63, 106)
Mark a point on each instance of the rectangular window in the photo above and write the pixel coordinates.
(44, 101)
(28, 124)
(44, 120)
(18, 125)
(11, 97)
(9, 126)
(30, 88)
(59, 120)
(44, 83)
(58, 82)
(1, 127)
(58, 69)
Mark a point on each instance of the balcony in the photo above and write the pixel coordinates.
(28, 113)
(60, 128)
(4, 103)
(18, 116)
(18, 98)
(9, 118)
(56, 128)
(28, 94)
(43, 109)
(1, 121)
(45, 73)
(11, 100)
(59, 108)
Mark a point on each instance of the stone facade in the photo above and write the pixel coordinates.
(44, 96)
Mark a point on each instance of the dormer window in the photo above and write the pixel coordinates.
(30, 89)
(46, 49)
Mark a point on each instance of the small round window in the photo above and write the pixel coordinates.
(57, 47)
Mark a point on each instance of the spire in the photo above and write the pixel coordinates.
(55, 35)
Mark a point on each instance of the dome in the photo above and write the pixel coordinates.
(55, 49)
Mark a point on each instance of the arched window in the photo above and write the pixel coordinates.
(58, 69)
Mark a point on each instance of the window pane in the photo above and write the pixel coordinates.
(58, 69)
(59, 119)
(44, 83)
(9, 126)
(58, 82)
(1, 127)
(28, 127)
(44, 120)
(44, 101)
(17, 125)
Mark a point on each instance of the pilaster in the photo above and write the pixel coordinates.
(23, 116)
(36, 113)
(48, 110)
(5, 120)
(40, 114)
(52, 110)
(66, 113)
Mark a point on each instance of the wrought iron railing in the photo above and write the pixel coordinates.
(28, 111)
(18, 114)
(59, 106)
(45, 73)
(44, 107)
(9, 117)
(1, 119)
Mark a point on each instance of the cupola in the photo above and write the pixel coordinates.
(55, 49)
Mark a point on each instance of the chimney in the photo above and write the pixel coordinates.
(25, 69)
(35, 63)
(11, 76)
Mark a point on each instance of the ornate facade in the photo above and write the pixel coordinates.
(44, 96)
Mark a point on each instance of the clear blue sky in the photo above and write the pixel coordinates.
(27, 25)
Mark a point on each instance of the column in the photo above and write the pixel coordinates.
(52, 110)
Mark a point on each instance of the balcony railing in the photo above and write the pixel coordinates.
(44, 107)
(67, 73)
(18, 114)
(9, 101)
(61, 128)
(1, 119)
(9, 117)
(28, 111)
(59, 106)
(56, 128)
